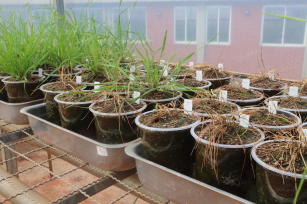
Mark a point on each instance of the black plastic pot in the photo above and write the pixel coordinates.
(115, 128)
(218, 82)
(234, 166)
(189, 94)
(170, 147)
(151, 104)
(247, 102)
(20, 91)
(3, 94)
(275, 186)
(268, 92)
(74, 116)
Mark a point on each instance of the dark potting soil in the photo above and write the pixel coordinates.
(240, 93)
(167, 119)
(221, 131)
(211, 106)
(60, 86)
(287, 156)
(157, 95)
(267, 83)
(32, 79)
(116, 106)
(79, 96)
(264, 117)
(214, 73)
(193, 83)
(292, 102)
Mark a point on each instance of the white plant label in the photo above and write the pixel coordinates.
(223, 95)
(162, 62)
(131, 77)
(305, 133)
(79, 79)
(244, 120)
(86, 60)
(137, 95)
(40, 72)
(101, 151)
(246, 83)
(220, 66)
(293, 91)
(271, 75)
(132, 69)
(188, 105)
(165, 71)
(191, 64)
(272, 107)
(97, 86)
(199, 75)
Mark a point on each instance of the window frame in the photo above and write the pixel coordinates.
(218, 25)
(282, 44)
(185, 26)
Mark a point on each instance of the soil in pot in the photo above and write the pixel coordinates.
(277, 187)
(223, 159)
(184, 71)
(73, 109)
(23, 91)
(51, 90)
(242, 96)
(167, 98)
(268, 86)
(212, 107)
(114, 120)
(166, 138)
(190, 82)
(216, 77)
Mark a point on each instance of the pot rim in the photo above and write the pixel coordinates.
(4, 80)
(266, 89)
(295, 124)
(42, 88)
(270, 168)
(228, 146)
(163, 100)
(287, 109)
(218, 79)
(215, 115)
(247, 100)
(98, 113)
(58, 100)
(209, 83)
(141, 125)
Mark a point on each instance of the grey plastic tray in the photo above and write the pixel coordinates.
(10, 112)
(177, 187)
(104, 156)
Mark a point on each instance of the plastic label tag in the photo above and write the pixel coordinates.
(246, 83)
(191, 64)
(96, 86)
(244, 120)
(223, 95)
(132, 69)
(162, 62)
(199, 75)
(220, 66)
(86, 60)
(131, 77)
(271, 75)
(165, 71)
(79, 79)
(101, 151)
(137, 95)
(188, 105)
(293, 91)
(305, 134)
(272, 107)
(40, 72)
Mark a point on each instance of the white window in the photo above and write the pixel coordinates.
(283, 31)
(218, 25)
(185, 24)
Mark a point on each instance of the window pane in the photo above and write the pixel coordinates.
(295, 30)
(224, 24)
(180, 24)
(212, 23)
(138, 25)
(273, 26)
(191, 24)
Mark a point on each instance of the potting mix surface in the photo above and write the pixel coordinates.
(60, 86)
(214, 73)
(167, 119)
(292, 102)
(116, 106)
(211, 106)
(267, 83)
(157, 95)
(79, 96)
(240, 93)
(193, 82)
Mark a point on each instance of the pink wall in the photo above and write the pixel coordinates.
(245, 50)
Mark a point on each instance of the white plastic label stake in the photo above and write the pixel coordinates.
(40, 72)
(101, 151)
(244, 120)
(96, 86)
(305, 134)
(272, 107)
(223, 95)
(199, 75)
(165, 71)
(86, 60)
(132, 69)
(162, 62)
(79, 79)
(188, 105)
(137, 95)
(191, 64)
(246, 83)
(131, 77)
(271, 75)
(220, 66)
(293, 91)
